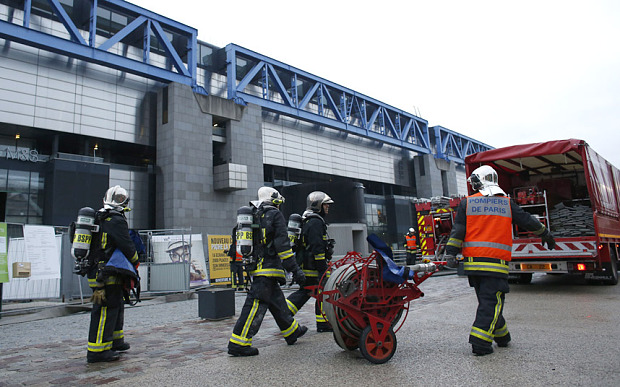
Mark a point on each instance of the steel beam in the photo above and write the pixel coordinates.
(454, 146)
(271, 84)
(354, 113)
(83, 49)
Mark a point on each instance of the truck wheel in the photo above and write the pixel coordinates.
(525, 278)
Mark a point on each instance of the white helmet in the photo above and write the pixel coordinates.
(484, 180)
(316, 199)
(411, 230)
(116, 198)
(270, 195)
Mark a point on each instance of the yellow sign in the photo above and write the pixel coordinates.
(4, 265)
(219, 261)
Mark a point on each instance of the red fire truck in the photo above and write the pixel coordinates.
(435, 219)
(575, 193)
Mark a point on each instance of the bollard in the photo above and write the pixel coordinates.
(216, 304)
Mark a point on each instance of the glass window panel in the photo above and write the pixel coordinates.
(36, 182)
(18, 181)
(35, 220)
(16, 206)
(3, 176)
(35, 205)
(17, 219)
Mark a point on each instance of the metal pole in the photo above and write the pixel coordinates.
(81, 295)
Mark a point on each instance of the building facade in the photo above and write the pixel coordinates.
(81, 111)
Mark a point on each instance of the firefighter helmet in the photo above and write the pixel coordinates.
(411, 230)
(316, 200)
(116, 198)
(484, 180)
(270, 195)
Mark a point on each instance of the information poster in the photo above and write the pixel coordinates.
(42, 252)
(4, 261)
(219, 261)
(178, 248)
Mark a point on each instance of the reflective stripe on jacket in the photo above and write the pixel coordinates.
(411, 242)
(482, 265)
(238, 257)
(489, 227)
(276, 247)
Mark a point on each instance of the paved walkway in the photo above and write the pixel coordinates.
(61, 360)
(52, 351)
(564, 333)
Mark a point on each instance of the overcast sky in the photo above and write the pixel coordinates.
(501, 72)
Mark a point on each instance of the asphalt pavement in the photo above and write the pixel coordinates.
(564, 332)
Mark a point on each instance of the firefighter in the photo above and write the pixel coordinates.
(236, 263)
(411, 246)
(482, 232)
(316, 250)
(109, 278)
(273, 255)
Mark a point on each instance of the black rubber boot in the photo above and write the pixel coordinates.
(105, 356)
(503, 341)
(479, 350)
(239, 350)
(120, 347)
(323, 327)
(292, 339)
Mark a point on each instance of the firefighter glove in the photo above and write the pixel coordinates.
(451, 261)
(98, 296)
(299, 277)
(547, 238)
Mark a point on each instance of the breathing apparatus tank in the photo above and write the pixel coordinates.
(245, 245)
(82, 237)
(294, 229)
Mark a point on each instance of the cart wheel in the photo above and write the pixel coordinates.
(349, 343)
(375, 351)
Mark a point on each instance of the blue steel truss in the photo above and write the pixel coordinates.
(455, 147)
(278, 87)
(143, 21)
(252, 77)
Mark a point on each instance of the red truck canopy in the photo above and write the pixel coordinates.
(560, 154)
(556, 157)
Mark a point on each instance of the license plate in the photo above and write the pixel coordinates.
(535, 266)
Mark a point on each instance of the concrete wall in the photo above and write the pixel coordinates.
(435, 177)
(300, 145)
(349, 237)
(42, 90)
(136, 181)
(185, 191)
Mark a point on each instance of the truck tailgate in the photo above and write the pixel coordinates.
(584, 247)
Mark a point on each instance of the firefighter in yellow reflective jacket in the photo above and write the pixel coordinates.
(105, 336)
(274, 255)
(483, 230)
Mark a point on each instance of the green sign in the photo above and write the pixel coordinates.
(4, 264)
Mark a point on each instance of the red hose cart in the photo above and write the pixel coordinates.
(366, 300)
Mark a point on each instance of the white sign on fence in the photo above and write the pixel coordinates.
(42, 252)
